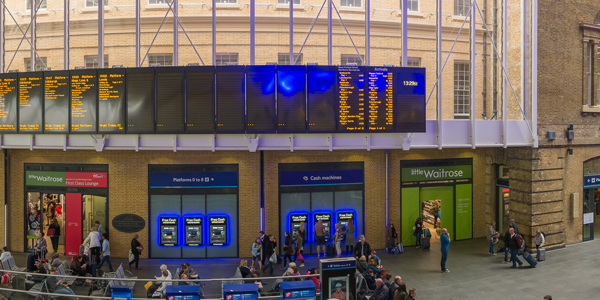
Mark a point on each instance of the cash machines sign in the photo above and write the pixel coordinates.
(218, 230)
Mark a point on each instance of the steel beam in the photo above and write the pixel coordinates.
(292, 32)
(34, 4)
(438, 68)
(100, 34)
(214, 32)
(368, 33)
(2, 38)
(504, 75)
(329, 33)
(252, 32)
(137, 32)
(524, 62)
(404, 33)
(473, 58)
(175, 33)
(534, 67)
(66, 33)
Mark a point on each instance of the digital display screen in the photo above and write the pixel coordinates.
(322, 92)
(410, 100)
(56, 102)
(111, 100)
(8, 102)
(217, 231)
(169, 100)
(193, 231)
(291, 99)
(380, 96)
(260, 96)
(169, 231)
(84, 101)
(140, 100)
(351, 99)
(231, 106)
(200, 99)
(31, 95)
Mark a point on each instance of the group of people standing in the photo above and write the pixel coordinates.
(514, 243)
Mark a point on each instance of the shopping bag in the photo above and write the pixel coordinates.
(131, 257)
(299, 257)
(273, 258)
(148, 285)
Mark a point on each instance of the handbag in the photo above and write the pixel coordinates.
(51, 232)
(299, 257)
(148, 285)
(414, 228)
(273, 258)
(131, 257)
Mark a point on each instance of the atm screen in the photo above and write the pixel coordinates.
(218, 235)
(193, 231)
(168, 231)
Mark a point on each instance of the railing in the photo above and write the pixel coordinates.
(28, 276)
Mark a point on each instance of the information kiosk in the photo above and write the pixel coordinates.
(183, 292)
(193, 231)
(344, 218)
(298, 290)
(338, 278)
(217, 230)
(247, 291)
(168, 231)
(326, 217)
(121, 292)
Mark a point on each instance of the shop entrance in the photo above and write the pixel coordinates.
(436, 210)
(60, 195)
(503, 199)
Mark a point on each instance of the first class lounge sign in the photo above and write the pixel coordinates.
(66, 179)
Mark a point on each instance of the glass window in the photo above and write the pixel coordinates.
(162, 59)
(91, 61)
(43, 6)
(412, 62)
(411, 5)
(598, 74)
(38, 64)
(94, 3)
(224, 59)
(352, 3)
(284, 59)
(461, 7)
(352, 58)
(591, 167)
(288, 2)
(158, 1)
(229, 1)
(462, 92)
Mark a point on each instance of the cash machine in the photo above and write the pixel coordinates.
(343, 218)
(217, 230)
(169, 231)
(193, 231)
(296, 220)
(326, 217)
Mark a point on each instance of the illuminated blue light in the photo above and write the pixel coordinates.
(207, 233)
(290, 82)
(159, 233)
(320, 81)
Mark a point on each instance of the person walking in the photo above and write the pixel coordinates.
(539, 240)
(445, 241)
(350, 237)
(95, 245)
(506, 242)
(99, 228)
(435, 210)
(491, 233)
(269, 249)
(362, 247)
(287, 250)
(513, 245)
(338, 239)
(256, 251)
(105, 252)
(298, 246)
(514, 225)
(54, 233)
(320, 237)
(58, 211)
(136, 250)
(42, 245)
(419, 231)
(391, 236)
(263, 243)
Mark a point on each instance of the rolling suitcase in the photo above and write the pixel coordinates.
(400, 248)
(541, 254)
(30, 262)
(530, 259)
(425, 243)
(330, 250)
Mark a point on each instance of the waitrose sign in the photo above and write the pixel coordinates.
(66, 179)
(436, 173)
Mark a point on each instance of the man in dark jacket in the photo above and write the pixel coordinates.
(381, 292)
(370, 279)
(394, 286)
(506, 239)
(513, 246)
(362, 248)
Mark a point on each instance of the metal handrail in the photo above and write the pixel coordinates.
(151, 279)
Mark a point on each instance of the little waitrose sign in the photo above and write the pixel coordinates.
(66, 179)
(436, 173)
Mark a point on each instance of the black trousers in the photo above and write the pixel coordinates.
(136, 260)
(95, 254)
(54, 240)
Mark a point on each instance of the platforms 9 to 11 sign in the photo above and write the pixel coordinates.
(208, 100)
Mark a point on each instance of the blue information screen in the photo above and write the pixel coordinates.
(410, 100)
(322, 92)
(351, 99)
(291, 99)
(380, 98)
(260, 98)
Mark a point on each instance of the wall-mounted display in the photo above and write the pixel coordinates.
(169, 231)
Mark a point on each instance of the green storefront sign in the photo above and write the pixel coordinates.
(43, 178)
(436, 173)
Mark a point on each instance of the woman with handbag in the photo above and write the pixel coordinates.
(338, 239)
(269, 251)
(287, 249)
(418, 231)
(350, 239)
(299, 248)
(54, 232)
(136, 250)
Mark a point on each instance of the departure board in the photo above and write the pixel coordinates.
(380, 98)
(321, 95)
(351, 99)
(291, 99)
(56, 102)
(260, 97)
(140, 100)
(410, 100)
(231, 106)
(111, 100)
(200, 99)
(169, 100)
(84, 101)
(8, 102)
(31, 95)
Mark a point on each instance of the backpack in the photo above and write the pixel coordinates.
(521, 243)
(6, 278)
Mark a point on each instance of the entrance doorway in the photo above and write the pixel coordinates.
(437, 210)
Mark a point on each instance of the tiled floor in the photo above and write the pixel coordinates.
(569, 273)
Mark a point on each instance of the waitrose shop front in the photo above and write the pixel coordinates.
(440, 193)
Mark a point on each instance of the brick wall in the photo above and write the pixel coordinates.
(128, 188)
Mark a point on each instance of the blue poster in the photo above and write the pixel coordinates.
(328, 177)
(193, 180)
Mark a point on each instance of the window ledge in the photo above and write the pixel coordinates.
(594, 110)
(229, 6)
(40, 12)
(414, 14)
(93, 9)
(156, 7)
(298, 7)
(351, 9)
(459, 18)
